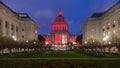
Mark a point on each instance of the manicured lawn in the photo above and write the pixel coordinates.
(56, 54)
(57, 59)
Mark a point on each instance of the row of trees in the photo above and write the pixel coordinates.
(108, 47)
(21, 46)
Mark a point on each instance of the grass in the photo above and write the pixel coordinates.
(56, 54)
(58, 59)
(58, 63)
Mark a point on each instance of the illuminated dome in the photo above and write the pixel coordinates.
(60, 23)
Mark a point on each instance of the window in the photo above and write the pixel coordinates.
(0, 22)
(119, 21)
(22, 36)
(22, 29)
(92, 29)
(108, 28)
(11, 34)
(6, 24)
(16, 29)
(113, 25)
(103, 29)
(12, 27)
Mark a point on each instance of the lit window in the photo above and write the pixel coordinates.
(114, 31)
(108, 32)
(103, 26)
(36, 31)
(114, 21)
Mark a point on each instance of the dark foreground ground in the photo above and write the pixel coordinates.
(56, 54)
(50, 59)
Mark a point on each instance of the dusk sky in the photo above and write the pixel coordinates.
(44, 12)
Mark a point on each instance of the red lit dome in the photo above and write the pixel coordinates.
(60, 23)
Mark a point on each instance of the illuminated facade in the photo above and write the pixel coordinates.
(59, 36)
(19, 26)
(103, 26)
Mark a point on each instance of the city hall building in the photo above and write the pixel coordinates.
(18, 26)
(103, 26)
(60, 35)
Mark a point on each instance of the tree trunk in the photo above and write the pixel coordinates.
(2, 51)
(10, 51)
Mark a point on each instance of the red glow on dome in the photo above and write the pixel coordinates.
(60, 12)
(60, 23)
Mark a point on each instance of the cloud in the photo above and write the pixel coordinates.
(45, 13)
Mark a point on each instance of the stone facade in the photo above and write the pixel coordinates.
(103, 26)
(19, 26)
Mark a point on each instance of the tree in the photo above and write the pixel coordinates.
(115, 39)
(41, 38)
(79, 39)
(7, 42)
(2, 47)
(69, 45)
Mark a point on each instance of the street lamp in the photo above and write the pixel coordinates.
(106, 38)
(26, 41)
(93, 41)
(85, 42)
(109, 43)
(34, 42)
(13, 37)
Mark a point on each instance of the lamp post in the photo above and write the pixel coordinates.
(86, 42)
(106, 39)
(13, 37)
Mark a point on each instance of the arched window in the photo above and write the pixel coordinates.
(12, 27)
(113, 25)
(16, 29)
(6, 24)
